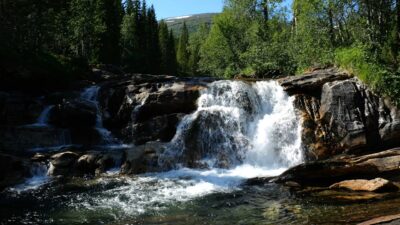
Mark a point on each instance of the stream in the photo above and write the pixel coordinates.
(241, 131)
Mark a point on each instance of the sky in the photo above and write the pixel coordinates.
(173, 8)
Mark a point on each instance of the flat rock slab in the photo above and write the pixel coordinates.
(392, 219)
(375, 185)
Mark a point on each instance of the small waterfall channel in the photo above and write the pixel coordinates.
(91, 94)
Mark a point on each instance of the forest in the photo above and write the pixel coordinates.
(55, 42)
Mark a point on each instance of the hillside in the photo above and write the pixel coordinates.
(192, 22)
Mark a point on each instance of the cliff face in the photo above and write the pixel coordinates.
(341, 115)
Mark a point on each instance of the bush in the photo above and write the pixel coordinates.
(378, 77)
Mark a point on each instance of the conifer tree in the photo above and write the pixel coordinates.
(183, 53)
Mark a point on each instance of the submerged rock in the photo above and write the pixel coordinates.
(143, 158)
(375, 185)
(389, 220)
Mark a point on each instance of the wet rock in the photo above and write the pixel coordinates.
(327, 172)
(162, 128)
(13, 170)
(388, 220)
(312, 82)
(95, 163)
(143, 158)
(63, 164)
(375, 185)
(75, 113)
(132, 104)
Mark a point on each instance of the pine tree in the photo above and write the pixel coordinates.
(153, 54)
(171, 56)
(163, 43)
(183, 53)
(110, 50)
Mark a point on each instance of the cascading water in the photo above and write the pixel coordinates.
(91, 94)
(239, 124)
(239, 131)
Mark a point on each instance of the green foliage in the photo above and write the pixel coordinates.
(182, 55)
(167, 50)
(357, 60)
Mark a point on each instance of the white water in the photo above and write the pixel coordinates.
(38, 178)
(43, 119)
(251, 128)
(91, 94)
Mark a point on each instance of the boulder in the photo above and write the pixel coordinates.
(74, 113)
(63, 163)
(143, 158)
(327, 172)
(375, 185)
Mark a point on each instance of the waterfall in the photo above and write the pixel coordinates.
(38, 178)
(239, 124)
(91, 94)
(43, 118)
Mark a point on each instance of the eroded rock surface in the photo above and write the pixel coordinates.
(340, 114)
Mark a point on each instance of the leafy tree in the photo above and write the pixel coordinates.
(195, 42)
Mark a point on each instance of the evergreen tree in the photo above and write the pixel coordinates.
(163, 43)
(153, 54)
(183, 53)
(171, 54)
(112, 12)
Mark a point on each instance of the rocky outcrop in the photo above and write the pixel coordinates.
(74, 113)
(340, 114)
(375, 185)
(326, 172)
(133, 104)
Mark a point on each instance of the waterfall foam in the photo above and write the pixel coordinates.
(236, 124)
(38, 178)
(91, 94)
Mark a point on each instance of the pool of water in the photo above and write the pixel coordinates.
(179, 197)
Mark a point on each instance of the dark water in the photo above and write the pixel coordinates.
(115, 200)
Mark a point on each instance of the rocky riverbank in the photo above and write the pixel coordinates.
(346, 128)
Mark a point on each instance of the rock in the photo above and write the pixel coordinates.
(132, 104)
(17, 109)
(63, 164)
(389, 220)
(143, 159)
(312, 82)
(16, 140)
(160, 128)
(340, 114)
(64, 159)
(75, 113)
(13, 170)
(375, 185)
(338, 169)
